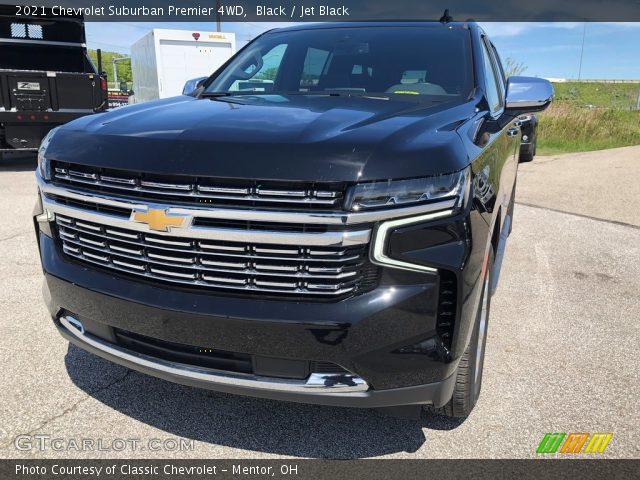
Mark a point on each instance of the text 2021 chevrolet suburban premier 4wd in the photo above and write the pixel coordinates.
(321, 221)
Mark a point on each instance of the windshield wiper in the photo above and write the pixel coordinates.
(216, 94)
(345, 93)
(316, 94)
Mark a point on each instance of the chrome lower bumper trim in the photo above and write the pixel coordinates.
(316, 383)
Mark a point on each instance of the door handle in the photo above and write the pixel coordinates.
(512, 132)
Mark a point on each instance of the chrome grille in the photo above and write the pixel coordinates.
(251, 268)
(200, 190)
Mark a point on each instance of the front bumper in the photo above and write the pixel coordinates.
(387, 339)
(317, 389)
(364, 334)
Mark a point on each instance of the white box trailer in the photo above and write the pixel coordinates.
(163, 60)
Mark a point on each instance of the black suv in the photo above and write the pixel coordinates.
(322, 220)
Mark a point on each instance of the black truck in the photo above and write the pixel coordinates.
(333, 236)
(46, 76)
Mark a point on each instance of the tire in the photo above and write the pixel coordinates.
(527, 155)
(511, 206)
(469, 374)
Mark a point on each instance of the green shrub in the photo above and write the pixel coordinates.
(569, 127)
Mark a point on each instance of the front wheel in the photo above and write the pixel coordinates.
(469, 374)
(527, 155)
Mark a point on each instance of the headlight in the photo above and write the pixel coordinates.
(413, 191)
(44, 165)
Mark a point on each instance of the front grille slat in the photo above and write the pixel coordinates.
(256, 269)
(196, 190)
(167, 258)
(210, 250)
(118, 180)
(204, 265)
(122, 263)
(130, 251)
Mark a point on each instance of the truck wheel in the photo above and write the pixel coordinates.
(531, 152)
(511, 205)
(526, 156)
(469, 375)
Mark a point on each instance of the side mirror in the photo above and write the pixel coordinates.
(191, 85)
(528, 94)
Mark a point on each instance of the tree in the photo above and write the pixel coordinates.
(512, 67)
(124, 67)
(268, 74)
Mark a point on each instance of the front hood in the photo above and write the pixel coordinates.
(303, 138)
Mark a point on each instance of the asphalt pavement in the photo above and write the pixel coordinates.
(562, 349)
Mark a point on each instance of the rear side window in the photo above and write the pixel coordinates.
(492, 84)
(315, 62)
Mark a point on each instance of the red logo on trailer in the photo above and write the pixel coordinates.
(195, 35)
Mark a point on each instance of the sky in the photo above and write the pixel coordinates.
(550, 50)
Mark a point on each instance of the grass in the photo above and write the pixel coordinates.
(570, 126)
(600, 94)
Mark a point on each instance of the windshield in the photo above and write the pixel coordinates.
(432, 62)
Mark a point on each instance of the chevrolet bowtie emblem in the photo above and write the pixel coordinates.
(158, 219)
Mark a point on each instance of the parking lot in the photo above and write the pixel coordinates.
(562, 350)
